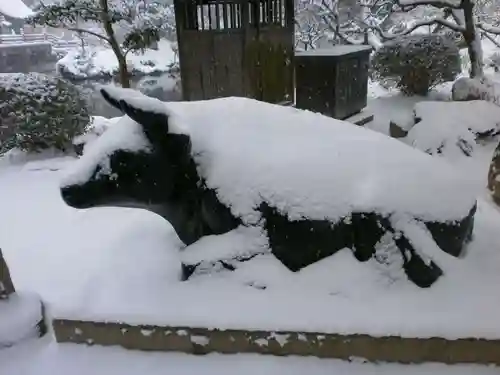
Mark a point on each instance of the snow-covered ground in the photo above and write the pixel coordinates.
(100, 62)
(43, 357)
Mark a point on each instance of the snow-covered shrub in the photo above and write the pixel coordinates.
(453, 129)
(83, 60)
(416, 63)
(38, 112)
(494, 61)
(465, 89)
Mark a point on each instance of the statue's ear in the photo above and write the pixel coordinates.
(110, 99)
(150, 113)
(154, 121)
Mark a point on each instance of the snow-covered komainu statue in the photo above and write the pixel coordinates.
(314, 185)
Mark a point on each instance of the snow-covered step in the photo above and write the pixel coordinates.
(362, 118)
(204, 341)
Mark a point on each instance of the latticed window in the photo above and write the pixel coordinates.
(227, 14)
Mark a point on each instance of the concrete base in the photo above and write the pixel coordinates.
(203, 341)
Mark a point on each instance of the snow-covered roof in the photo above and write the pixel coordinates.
(14, 9)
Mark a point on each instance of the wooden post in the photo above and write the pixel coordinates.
(6, 285)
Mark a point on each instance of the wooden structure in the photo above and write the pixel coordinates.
(236, 48)
(333, 82)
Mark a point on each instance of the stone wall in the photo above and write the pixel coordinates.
(23, 57)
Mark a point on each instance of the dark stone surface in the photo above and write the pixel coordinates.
(450, 237)
(167, 177)
(493, 176)
(6, 285)
(189, 269)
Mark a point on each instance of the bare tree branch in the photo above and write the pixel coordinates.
(434, 21)
(80, 30)
(488, 28)
(436, 4)
(491, 39)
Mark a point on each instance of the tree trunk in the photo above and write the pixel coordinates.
(473, 40)
(123, 70)
(120, 56)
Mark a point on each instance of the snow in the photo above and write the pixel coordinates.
(119, 264)
(485, 89)
(464, 114)
(126, 134)
(43, 358)
(19, 316)
(240, 242)
(98, 125)
(335, 51)
(14, 9)
(452, 127)
(102, 62)
(384, 175)
(335, 295)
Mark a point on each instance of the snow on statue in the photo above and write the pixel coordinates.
(314, 185)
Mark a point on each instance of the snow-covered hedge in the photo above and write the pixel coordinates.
(483, 88)
(416, 63)
(38, 112)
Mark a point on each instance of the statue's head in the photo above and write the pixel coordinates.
(136, 163)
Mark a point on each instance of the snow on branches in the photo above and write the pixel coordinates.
(459, 16)
(339, 21)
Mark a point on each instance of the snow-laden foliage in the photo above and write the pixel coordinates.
(416, 63)
(124, 25)
(340, 21)
(494, 61)
(38, 112)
